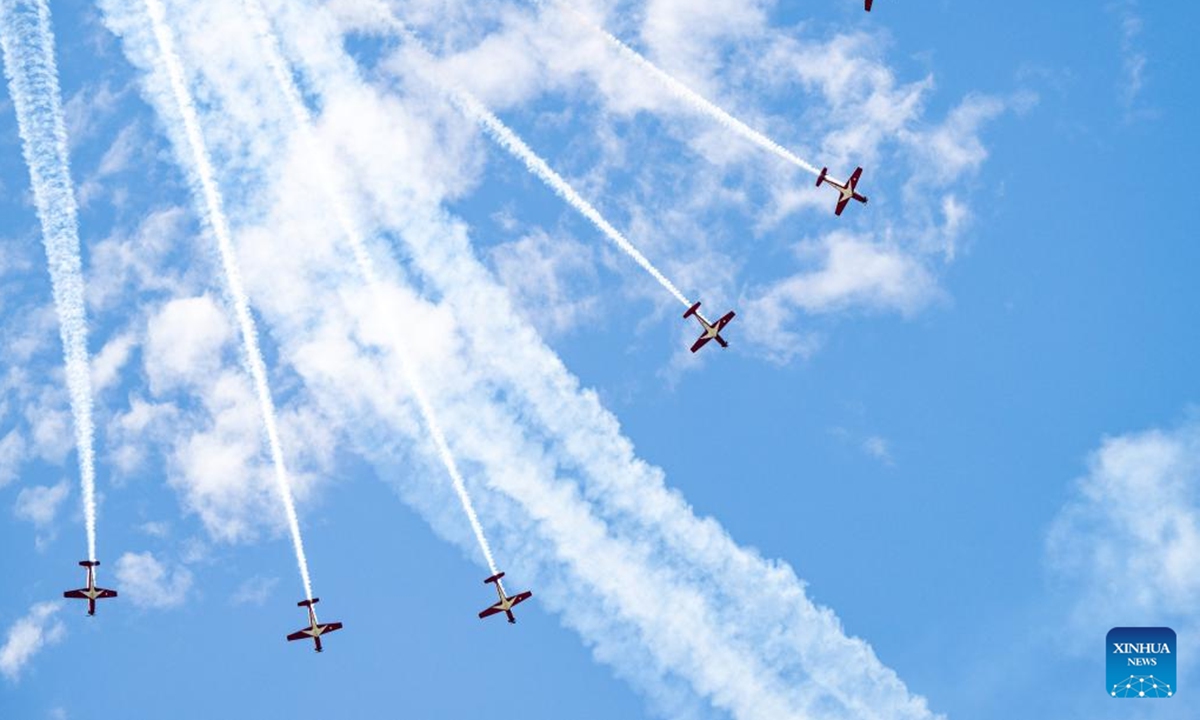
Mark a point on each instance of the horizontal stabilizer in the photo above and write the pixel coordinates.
(691, 311)
(821, 179)
(89, 563)
(308, 603)
(493, 578)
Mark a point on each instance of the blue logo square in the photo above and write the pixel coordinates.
(1141, 662)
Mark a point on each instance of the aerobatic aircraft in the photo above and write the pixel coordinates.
(91, 593)
(712, 331)
(315, 629)
(506, 603)
(846, 192)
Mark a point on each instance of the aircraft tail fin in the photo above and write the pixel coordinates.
(494, 578)
(821, 179)
(691, 311)
(308, 603)
(89, 563)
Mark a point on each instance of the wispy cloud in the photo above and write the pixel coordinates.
(1125, 549)
(27, 636)
(878, 448)
(1133, 57)
(254, 591)
(147, 583)
(39, 504)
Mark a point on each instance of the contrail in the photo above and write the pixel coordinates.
(304, 121)
(28, 44)
(688, 95)
(215, 215)
(511, 142)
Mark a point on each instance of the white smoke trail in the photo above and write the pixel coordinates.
(28, 44)
(664, 596)
(201, 165)
(511, 142)
(515, 145)
(304, 121)
(688, 95)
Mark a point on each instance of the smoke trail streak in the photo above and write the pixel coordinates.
(205, 176)
(664, 596)
(510, 141)
(28, 46)
(304, 121)
(688, 95)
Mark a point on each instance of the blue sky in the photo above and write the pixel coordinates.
(964, 416)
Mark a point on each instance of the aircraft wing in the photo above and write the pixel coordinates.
(330, 627)
(726, 319)
(490, 611)
(841, 206)
(869, 5)
(853, 181)
(700, 343)
(300, 635)
(75, 594)
(521, 597)
(105, 593)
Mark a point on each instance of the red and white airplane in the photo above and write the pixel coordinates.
(315, 629)
(91, 593)
(847, 192)
(712, 331)
(506, 603)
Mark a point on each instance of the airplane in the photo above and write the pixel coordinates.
(315, 629)
(846, 192)
(91, 593)
(869, 5)
(506, 603)
(712, 331)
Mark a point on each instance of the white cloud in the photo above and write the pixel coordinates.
(107, 364)
(1133, 57)
(1127, 543)
(28, 636)
(156, 529)
(147, 583)
(549, 279)
(185, 340)
(878, 448)
(254, 591)
(948, 151)
(849, 273)
(39, 504)
(12, 455)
